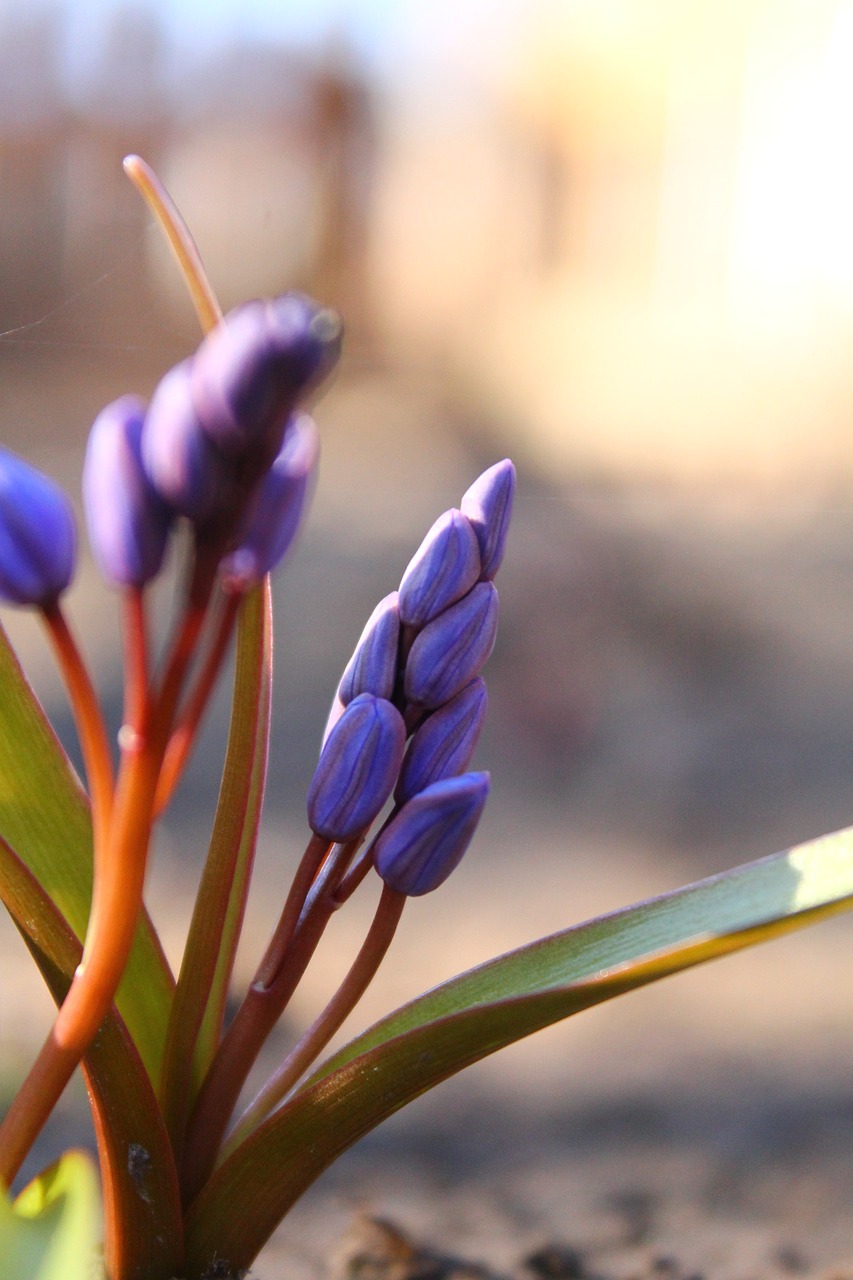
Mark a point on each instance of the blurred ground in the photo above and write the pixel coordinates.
(672, 693)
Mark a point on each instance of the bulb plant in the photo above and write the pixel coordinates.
(191, 1185)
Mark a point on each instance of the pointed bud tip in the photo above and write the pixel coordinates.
(488, 505)
(443, 569)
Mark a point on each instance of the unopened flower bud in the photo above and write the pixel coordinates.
(252, 369)
(488, 505)
(373, 666)
(276, 509)
(181, 462)
(444, 744)
(452, 648)
(357, 769)
(443, 569)
(38, 540)
(426, 840)
(128, 522)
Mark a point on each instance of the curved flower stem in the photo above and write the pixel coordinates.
(318, 1035)
(272, 964)
(135, 635)
(92, 732)
(117, 892)
(116, 903)
(284, 962)
(182, 739)
(256, 1017)
(180, 239)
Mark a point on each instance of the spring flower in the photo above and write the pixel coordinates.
(444, 744)
(184, 467)
(373, 666)
(442, 570)
(128, 522)
(256, 365)
(357, 769)
(488, 505)
(426, 840)
(38, 540)
(452, 648)
(276, 509)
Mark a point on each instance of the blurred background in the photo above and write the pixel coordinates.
(611, 238)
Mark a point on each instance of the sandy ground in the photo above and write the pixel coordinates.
(672, 694)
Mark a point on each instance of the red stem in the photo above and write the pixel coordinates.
(318, 1035)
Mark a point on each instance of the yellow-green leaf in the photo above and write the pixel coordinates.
(44, 816)
(52, 1230)
(473, 1015)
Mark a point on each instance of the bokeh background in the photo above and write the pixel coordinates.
(611, 238)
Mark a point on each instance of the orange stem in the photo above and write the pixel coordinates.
(184, 735)
(91, 730)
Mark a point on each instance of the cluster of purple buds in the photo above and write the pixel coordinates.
(223, 443)
(415, 671)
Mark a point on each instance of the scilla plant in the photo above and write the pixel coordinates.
(190, 1186)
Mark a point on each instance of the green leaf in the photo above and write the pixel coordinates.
(199, 1004)
(51, 1231)
(143, 1213)
(44, 815)
(491, 1006)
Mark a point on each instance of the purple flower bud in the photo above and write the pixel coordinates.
(251, 370)
(488, 505)
(445, 566)
(182, 464)
(373, 666)
(357, 769)
(444, 744)
(336, 710)
(452, 648)
(276, 509)
(426, 840)
(38, 540)
(128, 522)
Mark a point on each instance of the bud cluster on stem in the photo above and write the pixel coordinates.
(226, 446)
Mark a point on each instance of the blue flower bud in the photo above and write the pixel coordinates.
(488, 505)
(128, 522)
(373, 666)
(357, 769)
(275, 510)
(181, 462)
(38, 540)
(443, 569)
(426, 840)
(452, 648)
(252, 369)
(444, 744)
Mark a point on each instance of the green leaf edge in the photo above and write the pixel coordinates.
(44, 816)
(51, 1230)
(201, 992)
(142, 1199)
(501, 1001)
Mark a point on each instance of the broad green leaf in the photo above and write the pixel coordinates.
(491, 1006)
(51, 1231)
(202, 989)
(141, 1198)
(44, 816)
